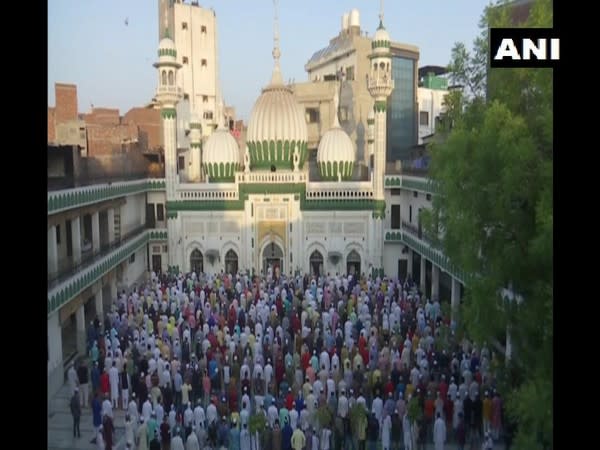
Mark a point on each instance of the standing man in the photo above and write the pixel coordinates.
(83, 378)
(113, 378)
(439, 432)
(76, 412)
(298, 439)
(72, 376)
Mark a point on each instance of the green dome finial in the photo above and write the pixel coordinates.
(167, 34)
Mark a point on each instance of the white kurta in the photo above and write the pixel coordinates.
(439, 433)
(386, 432)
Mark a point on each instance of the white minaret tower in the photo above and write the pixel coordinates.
(380, 85)
(167, 95)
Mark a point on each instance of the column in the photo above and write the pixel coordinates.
(113, 288)
(56, 374)
(98, 304)
(80, 322)
(76, 239)
(409, 264)
(52, 251)
(111, 225)
(423, 273)
(455, 298)
(435, 282)
(96, 232)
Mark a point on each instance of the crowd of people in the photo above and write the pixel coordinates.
(274, 362)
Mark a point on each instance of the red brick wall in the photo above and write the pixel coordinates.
(107, 139)
(103, 116)
(51, 126)
(149, 123)
(66, 102)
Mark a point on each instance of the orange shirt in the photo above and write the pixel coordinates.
(487, 409)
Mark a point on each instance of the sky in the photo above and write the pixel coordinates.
(90, 45)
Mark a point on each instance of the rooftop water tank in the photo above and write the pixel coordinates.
(355, 18)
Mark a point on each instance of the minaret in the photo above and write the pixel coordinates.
(167, 95)
(380, 85)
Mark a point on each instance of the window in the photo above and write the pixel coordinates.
(350, 73)
(395, 191)
(208, 115)
(185, 60)
(160, 212)
(132, 258)
(181, 163)
(203, 63)
(171, 78)
(69, 238)
(184, 25)
(203, 29)
(205, 99)
(395, 217)
(312, 115)
(164, 77)
(165, 248)
(415, 194)
(424, 118)
(186, 96)
(156, 249)
(428, 196)
(57, 234)
(410, 213)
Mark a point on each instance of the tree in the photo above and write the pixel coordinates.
(493, 162)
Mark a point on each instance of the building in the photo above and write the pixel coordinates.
(193, 28)
(347, 57)
(433, 88)
(263, 212)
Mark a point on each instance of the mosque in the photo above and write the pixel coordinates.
(263, 213)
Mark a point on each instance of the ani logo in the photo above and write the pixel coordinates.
(524, 47)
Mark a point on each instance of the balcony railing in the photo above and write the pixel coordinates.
(418, 233)
(271, 177)
(68, 269)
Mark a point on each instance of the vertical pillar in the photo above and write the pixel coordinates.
(98, 304)
(423, 273)
(111, 225)
(96, 232)
(80, 322)
(455, 298)
(76, 239)
(409, 264)
(52, 251)
(435, 282)
(113, 288)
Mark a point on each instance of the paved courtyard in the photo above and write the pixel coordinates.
(60, 425)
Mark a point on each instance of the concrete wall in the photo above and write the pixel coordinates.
(133, 213)
(430, 100)
(134, 271)
(51, 126)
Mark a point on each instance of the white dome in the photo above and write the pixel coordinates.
(221, 156)
(381, 39)
(336, 152)
(276, 128)
(167, 50)
(381, 35)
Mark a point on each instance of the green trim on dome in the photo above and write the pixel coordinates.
(168, 113)
(265, 154)
(370, 121)
(380, 106)
(380, 44)
(329, 170)
(167, 52)
(221, 172)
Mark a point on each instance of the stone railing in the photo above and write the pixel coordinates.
(334, 191)
(271, 177)
(207, 191)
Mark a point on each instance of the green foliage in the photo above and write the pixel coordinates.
(257, 423)
(324, 416)
(493, 160)
(415, 413)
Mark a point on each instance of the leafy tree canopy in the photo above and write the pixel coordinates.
(493, 160)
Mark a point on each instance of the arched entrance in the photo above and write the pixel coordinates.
(316, 263)
(197, 261)
(273, 257)
(231, 262)
(353, 263)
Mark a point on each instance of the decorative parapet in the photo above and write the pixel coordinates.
(68, 289)
(413, 183)
(63, 200)
(393, 236)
